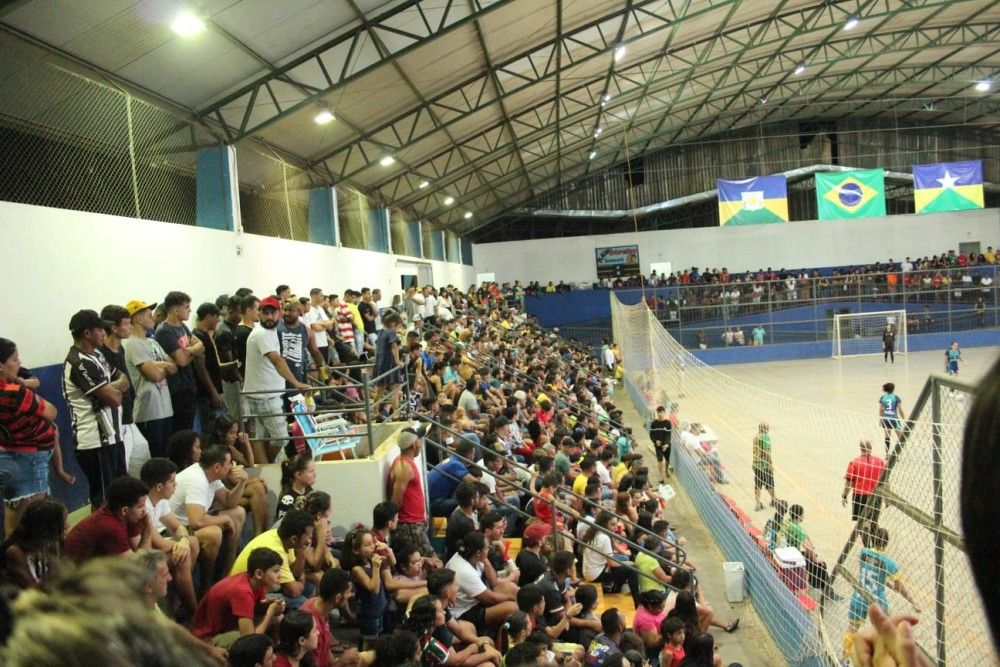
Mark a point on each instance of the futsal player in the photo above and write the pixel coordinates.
(952, 357)
(890, 412)
(889, 344)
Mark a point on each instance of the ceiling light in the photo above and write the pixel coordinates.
(800, 69)
(449, 200)
(852, 23)
(763, 100)
(607, 97)
(619, 53)
(186, 24)
(468, 215)
(593, 154)
(323, 117)
(387, 161)
(984, 86)
(598, 131)
(423, 184)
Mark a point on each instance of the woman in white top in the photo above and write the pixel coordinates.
(476, 603)
(599, 562)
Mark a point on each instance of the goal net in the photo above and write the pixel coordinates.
(862, 333)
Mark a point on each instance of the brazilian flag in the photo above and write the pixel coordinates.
(948, 186)
(851, 194)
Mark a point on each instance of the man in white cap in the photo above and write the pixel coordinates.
(405, 488)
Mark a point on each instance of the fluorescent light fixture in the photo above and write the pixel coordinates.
(449, 200)
(468, 215)
(763, 100)
(424, 184)
(852, 23)
(607, 97)
(323, 117)
(387, 161)
(593, 154)
(800, 69)
(186, 24)
(984, 86)
(619, 53)
(598, 131)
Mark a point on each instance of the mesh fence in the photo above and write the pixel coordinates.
(70, 142)
(811, 447)
(274, 194)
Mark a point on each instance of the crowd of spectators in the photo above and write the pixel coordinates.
(174, 410)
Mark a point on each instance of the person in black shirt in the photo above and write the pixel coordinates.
(176, 339)
(463, 519)
(207, 368)
(535, 545)
(225, 345)
(659, 432)
(113, 352)
(889, 345)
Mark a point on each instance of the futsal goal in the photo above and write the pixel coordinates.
(861, 333)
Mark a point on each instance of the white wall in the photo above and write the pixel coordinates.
(793, 244)
(58, 261)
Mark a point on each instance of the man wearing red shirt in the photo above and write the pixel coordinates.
(116, 528)
(228, 610)
(863, 475)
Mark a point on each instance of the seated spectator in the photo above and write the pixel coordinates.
(408, 581)
(319, 556)
(116, 528)
(30, 556)
(494, 526)
(426, 616)
(535, 547)
(153, 564)
(292, 539)
(475, 602)
(463, 520)
(204, 504)
(599, 563)
(604, 648)
(683, 581)
(167, 533)
(515, 630)
(648, 616)
(704, 452)
(298, 474)
(297, 640)
(227, 432)
(252, 651)
(702, 653)
(334, 593)
(652, 575)
(795, 536)
(444, 478)
(442, 584)
(228, 610)
(672, 631)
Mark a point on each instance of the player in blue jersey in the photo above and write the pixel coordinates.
(877, 570)
(890, 413)
(952, 357)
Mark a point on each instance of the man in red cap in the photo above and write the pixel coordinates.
(535, 546)
(266, 376)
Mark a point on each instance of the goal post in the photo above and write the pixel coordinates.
(861, 333)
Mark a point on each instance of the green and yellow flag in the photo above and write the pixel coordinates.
(948, 186)
(851, 194)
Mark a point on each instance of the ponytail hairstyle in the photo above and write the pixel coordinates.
(314, 503)
(472, 543)
(295, 626)
(602, 521)
(291, 467)
(514, 625)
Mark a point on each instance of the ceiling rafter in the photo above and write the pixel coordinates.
(332, 60)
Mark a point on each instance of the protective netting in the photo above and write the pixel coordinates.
(811, 447)
(865, 333)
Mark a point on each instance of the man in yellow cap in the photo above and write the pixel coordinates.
(148, 367)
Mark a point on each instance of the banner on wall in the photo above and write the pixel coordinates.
(850, 194)
(948, 186)
(753, 201)
(619, 260)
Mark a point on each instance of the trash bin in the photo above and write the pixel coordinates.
(735, 575)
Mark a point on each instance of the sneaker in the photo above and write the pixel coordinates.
(732, 626)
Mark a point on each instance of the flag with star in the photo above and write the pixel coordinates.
(948, 186)
(851, 194)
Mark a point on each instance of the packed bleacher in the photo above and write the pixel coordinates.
(546, 526)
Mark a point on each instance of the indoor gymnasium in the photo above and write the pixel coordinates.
(604, 333)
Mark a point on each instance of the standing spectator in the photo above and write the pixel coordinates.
(319, 322)
(148, 368)
(757, 335)
(862, 477)
(430, 306)
(112, 350)
(369, 313)
(176, 339)
(204, 504)
(28, 440)
(405, 489)
(266, 376)
(296, 340)
(659, 432)
(225, 345)
(763, 466)
(116, 528)
(250, 307)
(207, 367)
(94, 391)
